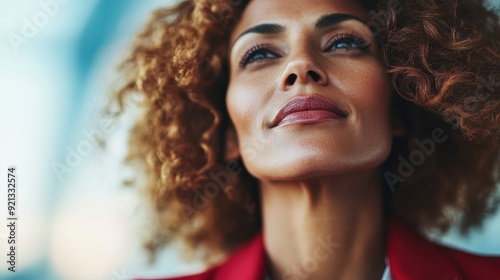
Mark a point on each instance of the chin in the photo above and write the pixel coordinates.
(304, 165)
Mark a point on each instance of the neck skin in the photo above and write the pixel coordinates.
(324, 228)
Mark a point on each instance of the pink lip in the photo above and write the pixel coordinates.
(310, 109)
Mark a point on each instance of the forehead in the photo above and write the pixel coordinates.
(294, 11)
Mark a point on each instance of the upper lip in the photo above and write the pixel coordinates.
(307, 103)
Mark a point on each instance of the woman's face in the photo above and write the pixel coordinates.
(308, 94)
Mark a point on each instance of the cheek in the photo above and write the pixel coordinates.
(243, 107)
(249, 104)
(247, 101)
(370, 99)
(240, 101)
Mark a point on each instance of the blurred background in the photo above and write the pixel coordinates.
(75, 220)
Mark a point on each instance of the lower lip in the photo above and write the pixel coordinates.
(311, 116)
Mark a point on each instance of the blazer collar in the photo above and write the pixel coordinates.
(410, 256)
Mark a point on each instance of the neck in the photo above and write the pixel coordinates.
(324, 228)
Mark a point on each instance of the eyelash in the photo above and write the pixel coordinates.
(250, 52)
(362, 45)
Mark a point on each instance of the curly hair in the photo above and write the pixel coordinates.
(444, 64)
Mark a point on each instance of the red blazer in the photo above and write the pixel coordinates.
(410, 256)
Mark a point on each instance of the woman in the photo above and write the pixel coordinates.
(319, 139)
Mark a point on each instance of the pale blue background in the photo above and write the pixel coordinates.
(83, 226)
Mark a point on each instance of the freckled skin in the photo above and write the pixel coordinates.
(356, 80)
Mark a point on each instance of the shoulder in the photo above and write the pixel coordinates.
(247, 263)
(414, 257)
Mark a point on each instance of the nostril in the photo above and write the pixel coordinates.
(315, 76)
(291, 79)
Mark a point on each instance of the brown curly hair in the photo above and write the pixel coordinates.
(442, 56)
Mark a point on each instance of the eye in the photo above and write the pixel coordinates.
(347, 42)
(256, 53)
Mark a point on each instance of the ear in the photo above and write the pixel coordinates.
(231, 147)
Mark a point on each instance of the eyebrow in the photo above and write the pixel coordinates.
(323, 22)
(333, 19)
(266, 28)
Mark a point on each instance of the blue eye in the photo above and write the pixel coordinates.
(256, 53)
(346, 42)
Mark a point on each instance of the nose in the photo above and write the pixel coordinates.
(303, 69)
